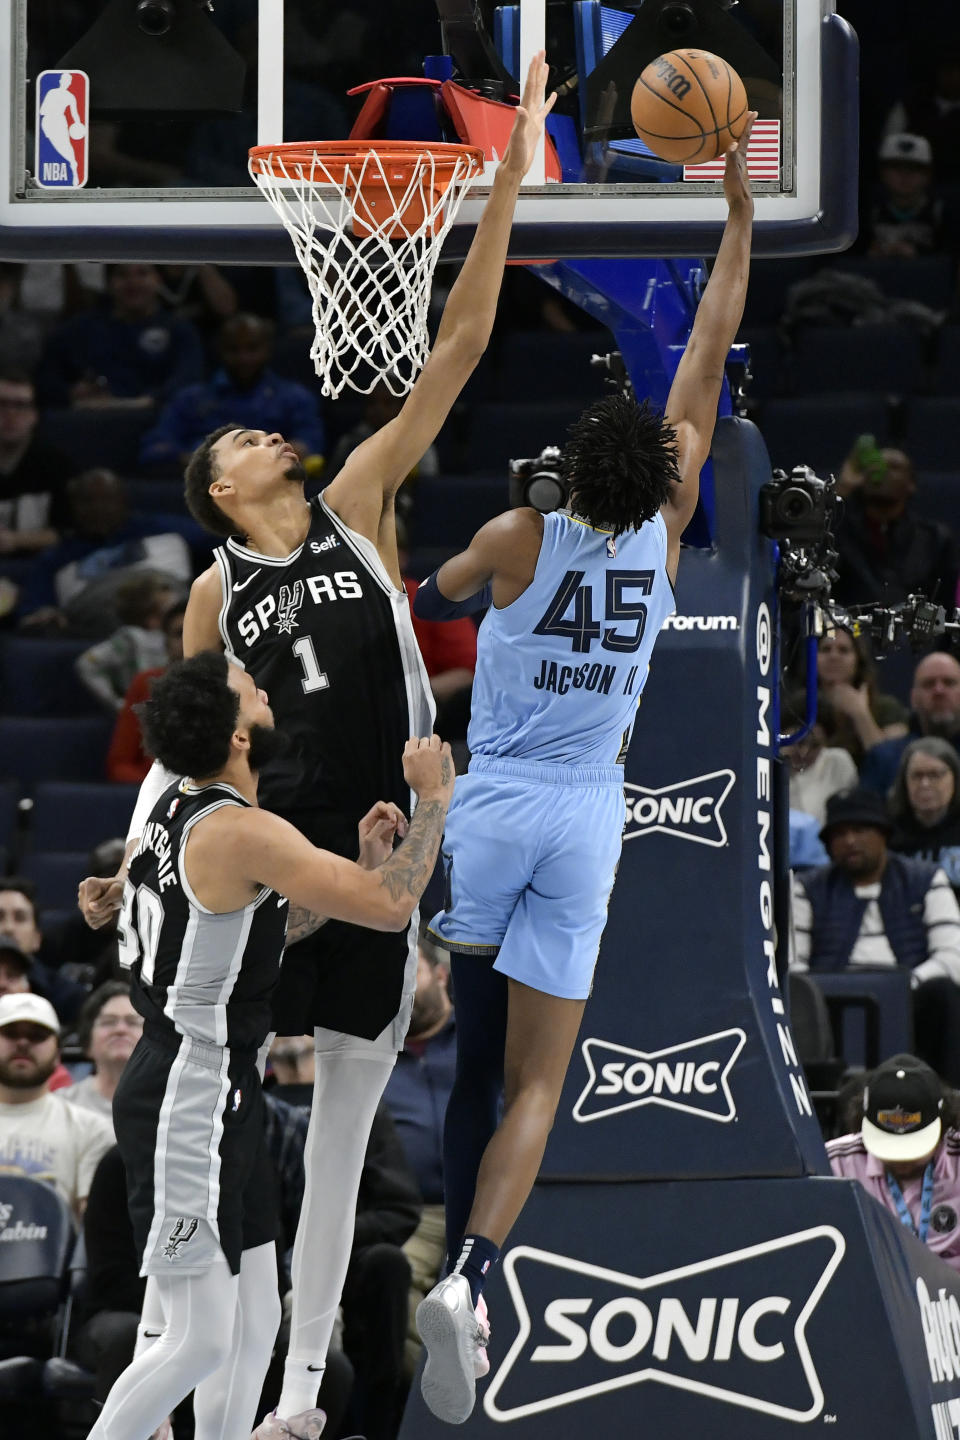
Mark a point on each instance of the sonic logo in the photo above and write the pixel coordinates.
(689, 809)
(693, 1077)
(731, 1328)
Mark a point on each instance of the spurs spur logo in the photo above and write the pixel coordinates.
(291, 598)
(689, 809)
(731, 1328)
(693, 1077)
(181, 1234)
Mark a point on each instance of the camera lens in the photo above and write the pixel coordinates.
(545, 492)
(794, 505)
(678, 19)
(155, 17)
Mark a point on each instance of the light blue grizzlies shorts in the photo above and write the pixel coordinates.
(530, 854)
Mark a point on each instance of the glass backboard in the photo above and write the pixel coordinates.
(173, 94)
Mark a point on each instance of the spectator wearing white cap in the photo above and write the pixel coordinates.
(907, 217)
(906, 1153)
(40, 1135)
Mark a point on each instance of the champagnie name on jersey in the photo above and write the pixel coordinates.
(282, 609)
(155, 837)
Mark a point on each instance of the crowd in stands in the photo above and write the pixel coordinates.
(103, 392)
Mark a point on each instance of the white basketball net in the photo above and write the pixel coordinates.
(370, 293)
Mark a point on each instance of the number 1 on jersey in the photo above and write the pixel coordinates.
(313, 677)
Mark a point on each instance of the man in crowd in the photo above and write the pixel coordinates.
(886, 551)
(130, 351)
(416, 1096)
(33, 507)
(906, 1153)
(74, 583)
(127, 761)
(20, 929)
(40, 1135)
(244, 391)
(934, 710)
(906, 217)
(873, 908)
(108, 1030)
(14, 968)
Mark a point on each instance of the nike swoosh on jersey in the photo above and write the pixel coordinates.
(281, 900)
(243, 583)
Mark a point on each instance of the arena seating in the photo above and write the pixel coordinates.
(37, 677)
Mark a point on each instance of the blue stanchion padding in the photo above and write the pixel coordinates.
(725, 1310)
(685, 1064)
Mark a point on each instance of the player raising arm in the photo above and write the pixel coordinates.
(535, 829)
(202, 932)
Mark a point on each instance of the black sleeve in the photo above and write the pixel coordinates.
(388, 1204)
(113, 1280)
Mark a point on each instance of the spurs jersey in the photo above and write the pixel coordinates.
(193, 972)
(560, 672)
(329, 637)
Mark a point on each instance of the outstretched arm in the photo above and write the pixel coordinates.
(692, 403)
(376, 469)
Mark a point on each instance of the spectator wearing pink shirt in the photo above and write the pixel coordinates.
(907, 1152)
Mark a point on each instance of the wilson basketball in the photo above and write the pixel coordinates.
(689, 106)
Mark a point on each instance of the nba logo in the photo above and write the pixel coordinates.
(62, 105)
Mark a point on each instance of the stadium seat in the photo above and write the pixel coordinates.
(932, 434)
(98, 438)
(948, 361)
(885, 359)
(9, 796)
(496, 434)
(56, 875)
(33, 1274)
(544, 365)
(156, 496)
(37, 678)
(928, 279)
(769, 283)
(68, 816)
(451, 508)
(819, 430)
(53, 749)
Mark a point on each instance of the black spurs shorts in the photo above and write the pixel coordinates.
(189, 1120)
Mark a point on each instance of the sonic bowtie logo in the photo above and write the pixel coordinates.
(692, 1077)
(731, 1328)
(690, 809)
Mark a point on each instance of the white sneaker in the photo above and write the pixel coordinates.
(306, 1426)
(455, 1336)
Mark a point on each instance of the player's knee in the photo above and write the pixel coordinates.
(264, 1318)
(207, 1351)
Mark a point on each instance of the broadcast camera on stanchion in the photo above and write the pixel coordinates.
(801, 511)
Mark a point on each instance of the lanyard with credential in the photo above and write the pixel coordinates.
(926, 1203)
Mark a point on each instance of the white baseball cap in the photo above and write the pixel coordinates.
(33, 1008)
(906, 150)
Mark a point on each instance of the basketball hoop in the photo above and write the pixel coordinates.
(367, 219)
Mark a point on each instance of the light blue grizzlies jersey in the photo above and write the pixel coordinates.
(560, 671)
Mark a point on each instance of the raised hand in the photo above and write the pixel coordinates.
(530, 117)
(736, 176)
(99, 900)
(376, 833)
(428, 768)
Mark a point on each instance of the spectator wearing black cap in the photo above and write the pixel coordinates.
(40, 1135)
(906, 1151)
(14, 967)
(871, 907)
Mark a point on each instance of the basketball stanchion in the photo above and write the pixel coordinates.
(367, 220)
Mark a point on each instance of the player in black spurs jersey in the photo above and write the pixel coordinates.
(308, 598)
(202, 928)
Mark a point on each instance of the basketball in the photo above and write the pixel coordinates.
(689, 106)
(77, 130)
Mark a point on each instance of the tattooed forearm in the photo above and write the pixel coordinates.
(406, 873)
(301, 923)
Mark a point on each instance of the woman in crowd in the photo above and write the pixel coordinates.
(925, 804)
(862, 716)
